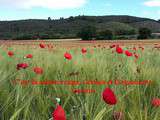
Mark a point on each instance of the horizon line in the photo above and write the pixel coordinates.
(76, 16)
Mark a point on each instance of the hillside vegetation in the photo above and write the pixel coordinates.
(69, 27)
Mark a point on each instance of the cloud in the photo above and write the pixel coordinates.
(152, 3)
(50, 4)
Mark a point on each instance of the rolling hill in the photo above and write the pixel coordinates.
(69, 27)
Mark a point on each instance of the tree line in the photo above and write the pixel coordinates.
(89, 33)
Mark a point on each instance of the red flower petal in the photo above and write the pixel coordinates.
(68, 56)
(29, 56)
(112, 46)
(84, 50)
(42, 45)
(155, 102)
(134, 48)
(128, 53)
(10, 53)
(109, 96)
(59, 113)
(136, 56)
(119, 50)
(22, 66)
(38, 70)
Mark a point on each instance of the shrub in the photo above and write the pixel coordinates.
(122, 31)
(144, 33)
(105, 35)
(22, 37)
(87, 33)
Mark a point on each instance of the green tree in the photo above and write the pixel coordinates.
(105, 35)
(125, 31)
(71, 18)
(87, 33)
(144, 33)
(49, 19)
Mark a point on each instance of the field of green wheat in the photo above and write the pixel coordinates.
(21, 100)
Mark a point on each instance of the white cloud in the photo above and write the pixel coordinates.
(152, 3)
(50, 4)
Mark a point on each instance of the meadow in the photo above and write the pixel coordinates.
(22, 62)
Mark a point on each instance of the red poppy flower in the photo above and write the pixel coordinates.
(68, 56)
(155, 102)
(22, 66)
(10, 53)
(59, 113)
(76, 91)
(84, 50)
(109, 96)
(128, 53)
(29, 56)
(134, 48)
(38, 70)
(119, 50)
(142, 63)
(112, 46)
(142, 48)
(136, 56)
(42, 45)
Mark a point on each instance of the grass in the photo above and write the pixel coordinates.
(29, 102)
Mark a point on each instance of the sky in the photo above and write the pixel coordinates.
(42, 9)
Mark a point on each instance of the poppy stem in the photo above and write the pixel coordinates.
(113, 110)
